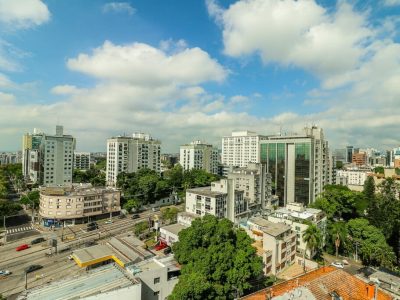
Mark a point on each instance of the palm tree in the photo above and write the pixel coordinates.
(312, 237)
(338, 234)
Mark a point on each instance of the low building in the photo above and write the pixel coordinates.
(323, 283)
(350, 177)
(170, 234)
(158, 276)
(82, 160)
(298, 218)
(108, 282)
(75, 204)
(275, 242)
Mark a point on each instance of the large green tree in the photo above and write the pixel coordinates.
(8, 208)
(216, 256)
(337, 236)
(31, 199)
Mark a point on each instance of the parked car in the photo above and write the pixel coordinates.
(22, 247)
(135, 216)
(337, 264)
(155, 209)
(38, 240)
(167, 250)
(32, 268)
(92, 224)
(108, 222)
(4, 272)
(121, 216)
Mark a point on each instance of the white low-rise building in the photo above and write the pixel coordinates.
(275, 243)
(170, 234)
(350, 177)
(298, 218)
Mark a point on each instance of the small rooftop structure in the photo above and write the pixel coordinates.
(102, 283)
(174, 228)
(274, 229)
(205, 191)
(154, 263)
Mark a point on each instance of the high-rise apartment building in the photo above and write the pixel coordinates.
(48, 159)
(349, 154)
(299, 165)
(199, 155)
(130, 154)
(82, 160)
(241, 148)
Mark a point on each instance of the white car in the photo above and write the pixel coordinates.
(337, 264)
(108, 222)
(5, 272)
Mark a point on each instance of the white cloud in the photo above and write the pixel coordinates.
(20, 14)
(391, 2)
(66, 90)
(6, 98)
(119, 7)
(298, 33)
(142, 64)
(5, 82)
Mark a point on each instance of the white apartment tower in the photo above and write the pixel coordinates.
(199, 155)
(82, 160)
(130, 154)
(241, 148)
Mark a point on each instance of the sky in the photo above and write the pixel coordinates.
(197, 70)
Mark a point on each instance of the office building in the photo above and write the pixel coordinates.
(298, 217)
(82, 161)
(299, 165)
(275, 243)
(349, 154)
(76, 204)
(359, 159)
(130, 154)
(199, 155)
(48, 159)
(241, 148)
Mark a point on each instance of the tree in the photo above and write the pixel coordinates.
(217, 256)
(32, 198)
(131, 204)
(174, 176)
(8, 208)
(338, 235)
(169, 214)
(379, 170)
(339, 165)
(141, 227)
(312, 237)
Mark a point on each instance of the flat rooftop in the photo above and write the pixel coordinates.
(97, 281)
(168, 262)
(174, 228)
(205, 191)
(268, 227)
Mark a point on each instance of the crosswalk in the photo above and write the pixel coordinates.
(19, 229)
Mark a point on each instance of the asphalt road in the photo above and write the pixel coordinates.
(56, 266)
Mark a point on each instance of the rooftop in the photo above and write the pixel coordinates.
(100, 280)
(322, 283)
(174, 228)
(205, 191)
(154, 264)
(268, 227)
(75, 190)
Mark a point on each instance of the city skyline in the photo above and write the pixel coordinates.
(183, 71)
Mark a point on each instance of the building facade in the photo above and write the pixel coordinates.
(199, 155)
(130, 154)
(299, 165)
(76, 204)
(82, 160)
(350, 177)
(360, 159)
(241, 148)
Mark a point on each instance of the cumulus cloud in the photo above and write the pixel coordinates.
(295, 33)
(66, 90)
(142, 64)
(21, 14)
(119, 7)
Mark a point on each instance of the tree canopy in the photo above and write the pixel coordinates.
(93, 176)
(8, 208)
(218, 262)
(32, 198)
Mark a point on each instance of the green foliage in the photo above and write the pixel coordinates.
(32, 198)
(372, 246)
(93, 176)
(218, 258)
(131, 204)
(174, 176)
(197, 178)
(312, 237)
(141, 227)
(8, 173)
(379, 170)
(339, 165)
(8, 208)
(337, 237)
(397, 171)
(169, 214)
(101, 164)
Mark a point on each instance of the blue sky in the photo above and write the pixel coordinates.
(184, 70)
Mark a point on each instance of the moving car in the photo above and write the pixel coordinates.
(32, 268)
(135, 216)
(4, 272)
(38, 240)
(337, 264)
(22, 247)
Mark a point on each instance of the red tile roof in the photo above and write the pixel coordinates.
(321, 283)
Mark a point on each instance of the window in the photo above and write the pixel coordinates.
(156, 280)
(156, 293)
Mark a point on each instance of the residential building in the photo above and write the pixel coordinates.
(359, 159)
(350, 177)
(298, 217)
(299, 165)
(107, 282)
(82, 160)
(241, 148)
(169, 234)
(255, 183)
(220, 200)
(75, 204)
(130, 154)
(275, 242)
(199, 155)
(323, 283)
(30, 142)
(7, 158)
(158, 276)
